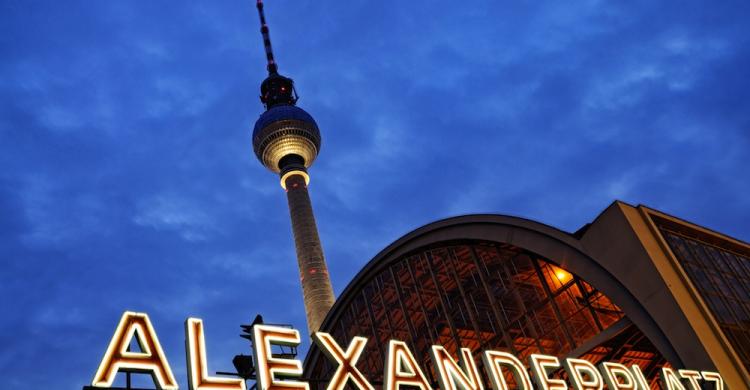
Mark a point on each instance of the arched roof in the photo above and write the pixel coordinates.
(546, 241)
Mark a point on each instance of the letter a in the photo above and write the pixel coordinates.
(670, 380)
(401, 369)
(150, 360)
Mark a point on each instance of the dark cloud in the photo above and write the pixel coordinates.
(129, 182)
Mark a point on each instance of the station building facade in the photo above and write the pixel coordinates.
(634, 286)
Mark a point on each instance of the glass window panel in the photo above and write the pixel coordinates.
(721, 278)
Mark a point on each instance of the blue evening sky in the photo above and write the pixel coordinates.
(128, 182)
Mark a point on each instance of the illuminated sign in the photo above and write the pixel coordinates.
(401, 367)
(150, 360)
(195, 347)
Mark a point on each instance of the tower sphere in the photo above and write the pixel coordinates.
(285, 131)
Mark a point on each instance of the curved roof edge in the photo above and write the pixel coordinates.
(551, 243)
(406, 242)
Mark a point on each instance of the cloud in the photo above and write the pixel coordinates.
(129, 181)
(169, 212)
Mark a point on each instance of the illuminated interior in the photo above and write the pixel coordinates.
(483, 295)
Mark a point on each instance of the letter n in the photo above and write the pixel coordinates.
(450, 375)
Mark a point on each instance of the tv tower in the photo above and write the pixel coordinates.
(286, 140)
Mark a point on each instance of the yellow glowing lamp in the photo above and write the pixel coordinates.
(562, 275)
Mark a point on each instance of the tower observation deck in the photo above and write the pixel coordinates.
(286, 140)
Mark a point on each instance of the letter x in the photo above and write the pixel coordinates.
(347, 361)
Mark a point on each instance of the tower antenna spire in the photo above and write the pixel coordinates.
(272, 68)
(286, 140)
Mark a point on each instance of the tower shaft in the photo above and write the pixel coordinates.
(316, 285)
